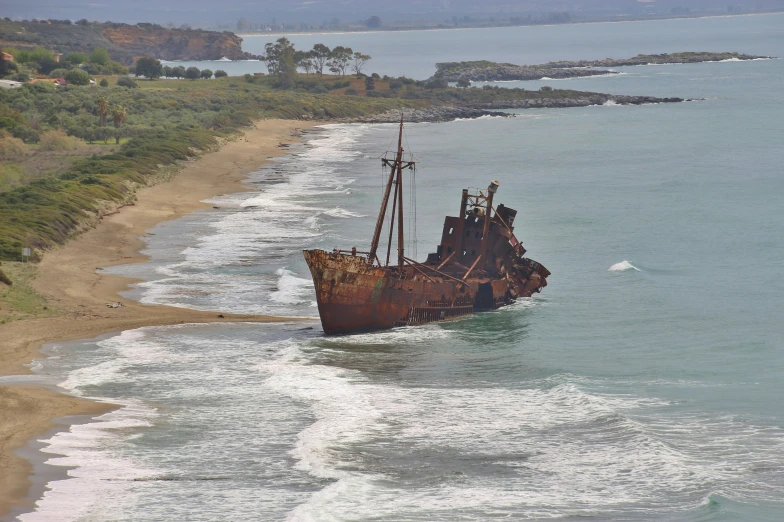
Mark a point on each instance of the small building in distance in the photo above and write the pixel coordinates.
(10, 84)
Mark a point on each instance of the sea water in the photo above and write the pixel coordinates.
(644, 383)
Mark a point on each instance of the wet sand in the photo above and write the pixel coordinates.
(68, 277)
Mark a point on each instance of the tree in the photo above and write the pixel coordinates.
(462, 82)
(104, 82)
(103, 108)
(320, 55)
(6, 66)
(221, 74)
(47, 64)
(280, 61)
(373, 22)
(76, 58)
(119, 113)
(178, 72)
(370, 84)
(167, 71)
(359, 61)
(303, 60)
(192, 73)
(77, 77)
(148, 67)
(339, 59)
(206, 74)
(100, 56)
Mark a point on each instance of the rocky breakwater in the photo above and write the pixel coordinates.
(658, 59)
(430, 114)
(173, 44)
(484, 71)
(575, 101)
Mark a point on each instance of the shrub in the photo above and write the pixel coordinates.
(127, 81)
(11, 177)
(58, 73)
(58, 140)
(4, 278)
(546, 88)
(352, 91)
(26, 134)
(192, 73)
(11, 147)
(395, 84)
(104, 82)
(76, 58)
(77, 77)
(206, 74)
(100, 56)
(221, 74)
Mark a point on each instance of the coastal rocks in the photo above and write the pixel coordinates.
(659, 59)
(583, 101)
(478, 110)
(486, 71)
(483, 71)
(431, 114)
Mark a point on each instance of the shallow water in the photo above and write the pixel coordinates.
(643, 383)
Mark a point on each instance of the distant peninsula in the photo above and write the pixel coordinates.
(486, 71)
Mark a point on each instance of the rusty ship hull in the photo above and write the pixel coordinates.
(479, 265)
(353, 297)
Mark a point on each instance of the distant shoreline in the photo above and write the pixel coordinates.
(578, 22)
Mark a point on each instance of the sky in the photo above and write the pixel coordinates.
(316, 11)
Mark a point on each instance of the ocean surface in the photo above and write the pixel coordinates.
(644, 383)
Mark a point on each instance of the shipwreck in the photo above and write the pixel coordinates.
(478, 266)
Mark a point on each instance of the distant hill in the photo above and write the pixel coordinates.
(123, 41)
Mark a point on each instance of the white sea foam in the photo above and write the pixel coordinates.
(570, 450)
(256, 227)
(292, 289)
(342, 213)
(622, 266)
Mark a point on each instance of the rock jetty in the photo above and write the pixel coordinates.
(430, 114)
(477, 110)
(658, 59)
(486, 71)
(483, 71)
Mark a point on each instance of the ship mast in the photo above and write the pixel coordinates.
(395, 178)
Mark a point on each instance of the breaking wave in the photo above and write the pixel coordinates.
(622, 267)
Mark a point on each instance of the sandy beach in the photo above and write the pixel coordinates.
(69, 278)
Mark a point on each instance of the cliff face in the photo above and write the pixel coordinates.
(174, 44)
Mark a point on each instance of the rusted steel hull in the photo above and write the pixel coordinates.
(353, 296)
(478, 265)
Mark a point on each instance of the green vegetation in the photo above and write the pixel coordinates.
(39, 61)
(54, 182)
(283, 60)
(167, 121)
(18, 299)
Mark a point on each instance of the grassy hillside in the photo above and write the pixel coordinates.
(166, 122)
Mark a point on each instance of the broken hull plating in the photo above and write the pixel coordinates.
(354, 296)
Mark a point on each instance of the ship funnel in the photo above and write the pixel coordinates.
(493, 188)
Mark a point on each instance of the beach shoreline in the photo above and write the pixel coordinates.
(69, 278)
